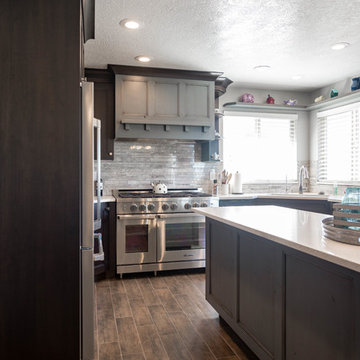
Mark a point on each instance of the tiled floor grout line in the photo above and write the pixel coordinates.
(116, 327)
(133, 317)
(201, 337)
(188, 317)
(167, 313)
(174, 296)
(233, 350)
(157, 331)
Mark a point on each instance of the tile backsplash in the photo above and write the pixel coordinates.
(327, 188)
(139, 162)
(176, 162)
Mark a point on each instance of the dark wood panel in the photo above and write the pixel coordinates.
(107, 268)
(40, 179)
(242, 202)
(164, 72)
(322, 320)
(104, 108)
(260, 295)
(221, 264)
(319, 206)
(291, 305)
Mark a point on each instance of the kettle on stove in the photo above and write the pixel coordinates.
(159, 188)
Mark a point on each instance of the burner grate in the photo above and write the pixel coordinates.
(171, 194)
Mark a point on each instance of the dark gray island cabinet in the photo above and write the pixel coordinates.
(288, 293)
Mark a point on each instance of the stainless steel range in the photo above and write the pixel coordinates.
(160, 231)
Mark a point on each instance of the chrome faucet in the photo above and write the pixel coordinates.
(303, 174)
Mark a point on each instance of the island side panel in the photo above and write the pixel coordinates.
(221, 268)
(261, 291)
(322, 310)
(244, 284)
(310, 307)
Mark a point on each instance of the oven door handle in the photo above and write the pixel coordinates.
(182, 215)
(136, 217)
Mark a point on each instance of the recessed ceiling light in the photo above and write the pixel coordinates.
(143, 58)
(129, 24)
(340, 45)
(296, 77)
(262, 68)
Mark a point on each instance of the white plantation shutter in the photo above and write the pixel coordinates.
(261, 147)
(338, 144)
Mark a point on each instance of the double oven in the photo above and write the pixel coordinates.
(163, 240)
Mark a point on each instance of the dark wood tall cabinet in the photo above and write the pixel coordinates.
(40, 180)
(104, 108)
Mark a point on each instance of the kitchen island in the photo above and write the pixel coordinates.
(287, 291)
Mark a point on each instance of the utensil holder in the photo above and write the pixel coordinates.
(224, 189)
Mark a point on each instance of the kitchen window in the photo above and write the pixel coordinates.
(262, 147)
(338, 144)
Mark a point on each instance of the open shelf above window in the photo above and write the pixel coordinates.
(328, 103)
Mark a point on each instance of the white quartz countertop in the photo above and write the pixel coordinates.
(300, 230)
(305, 196)
(107, 198)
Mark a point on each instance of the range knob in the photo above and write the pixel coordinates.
(165, 207)
(173, 206)
(187, 206)
(151, 207)
(195, 205)
(142, 207)
(204, 204)
(133, 207)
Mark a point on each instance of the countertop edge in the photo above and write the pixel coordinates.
(331, 198)
(106, 198)
(305, 249)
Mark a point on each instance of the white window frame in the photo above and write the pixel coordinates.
(269, 115)
(319, 116)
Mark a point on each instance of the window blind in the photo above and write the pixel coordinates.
(338, 144)
(261, 148)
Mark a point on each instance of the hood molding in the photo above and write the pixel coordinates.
(164, 72)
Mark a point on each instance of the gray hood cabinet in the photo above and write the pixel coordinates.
(164, 103)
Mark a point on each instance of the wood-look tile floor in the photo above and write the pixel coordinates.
(164, 317)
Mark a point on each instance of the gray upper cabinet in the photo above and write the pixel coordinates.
(163, 101)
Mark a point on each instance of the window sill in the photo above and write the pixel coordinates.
(339, 183)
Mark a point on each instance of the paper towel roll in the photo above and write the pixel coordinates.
(237, 184)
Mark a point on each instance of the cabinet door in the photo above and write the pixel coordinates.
(260, 293)
(163, 101)
(165, 94)
(132, 99)
(106, 268)
(221, 267)
(198, 102)
(104, 110)
(322, 315)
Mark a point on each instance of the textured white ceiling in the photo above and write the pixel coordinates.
(233, 36)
